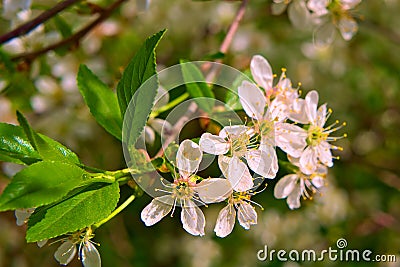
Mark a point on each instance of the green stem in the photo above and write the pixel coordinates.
(115, 212)
(170, 105)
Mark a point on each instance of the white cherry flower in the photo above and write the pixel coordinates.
(184, 191)
(269, 123)
(88, 254)
(297, 185)
(240, 204)
(233, 145)
(317, 134)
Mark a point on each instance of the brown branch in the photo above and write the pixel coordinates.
(73, 39)
(30, 25)
(211, 75)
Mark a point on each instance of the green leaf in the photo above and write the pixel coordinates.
(40, 184)
(62, 26)
(102, 102)
(139, 69)
(47, 148)
(197, 87)
(15, 146)
(81, 210)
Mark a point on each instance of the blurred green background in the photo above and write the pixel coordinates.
(359, 79)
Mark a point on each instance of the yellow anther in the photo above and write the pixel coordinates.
(274, 75)
(345, 135)
(344, 123)
(283, 69)
(330, 110)
(299, 84)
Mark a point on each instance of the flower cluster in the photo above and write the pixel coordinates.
(248, 153)
(323, 15)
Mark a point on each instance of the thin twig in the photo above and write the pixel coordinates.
(210, 77)
(30, 25)
(73, 39)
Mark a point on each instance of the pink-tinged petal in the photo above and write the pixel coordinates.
(213, 144)
(65, 252)
(290, 138)
(239, 175)
(247, 215)
(318, 6)
(259, 161)
(192, 218)
(252, 100)
(318, 181)
(308, 161)
(321, 116)
(234, 130)
(347, 27)
(188, 157)
(156, 210)
(293, 199)
(213, 190)
(297, 111)
(261, 71)
(285, 185)
(148, 135)
(225, 221)
(311, 106)
(324, 153)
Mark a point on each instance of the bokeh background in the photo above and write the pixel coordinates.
(359, 79)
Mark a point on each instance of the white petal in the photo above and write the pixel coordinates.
(285, 185)
(293, 199)
(311, 106)
(321, 116)
(157, 209)
(142, 5)
(213, 144)
(308, 161)
(214, 190)
(271, 153)
(299, 14)
(252, 100)
(188, 157)
(162, 127)
(347, 4)
(261, 71)
(234, 130)
(324, 35)
(65, 253)
(223, 163)
(348, 27)
(225, 221)
(278, 8)
(324, 153)
(90, 256)
(247, 215)
(259, 161)
(239, 175)
(297, 111)
(276, 111)
(22, 215)
(290, 138)
(149, 135)
(162, 97)
(41, 243)
(192, 218)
